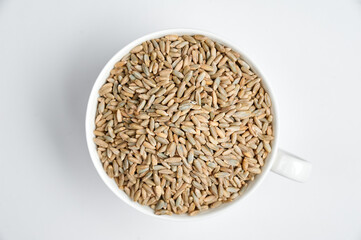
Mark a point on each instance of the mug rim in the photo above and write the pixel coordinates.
(90, 126)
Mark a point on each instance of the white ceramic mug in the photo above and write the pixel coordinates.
(278, 160)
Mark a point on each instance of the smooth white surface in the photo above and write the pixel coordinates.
(291, 166)
(90, 126)
(52, 51)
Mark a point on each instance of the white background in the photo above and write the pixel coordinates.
(51, 53)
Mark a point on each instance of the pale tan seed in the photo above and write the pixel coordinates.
(158, 191)
(207, 67)
(137, 49)
(189, 39)
(177, 131)
(148, 145)
(173, 159)
(267, 146)
(100, 142)
(162, 140)
(254, 170)
(221, 174)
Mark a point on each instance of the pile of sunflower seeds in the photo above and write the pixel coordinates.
(183, 124)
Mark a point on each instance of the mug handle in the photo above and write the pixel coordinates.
(291, 166)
